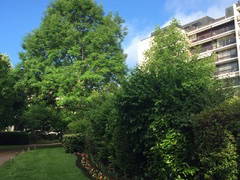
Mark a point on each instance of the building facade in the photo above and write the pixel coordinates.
(220, 36)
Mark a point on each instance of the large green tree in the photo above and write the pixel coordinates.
(75, 51)
(153, 134)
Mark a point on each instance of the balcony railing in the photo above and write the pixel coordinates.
(204, 49)
(228, 41)
(213, 46)
(226, 71)
(227, 57)
(213, 33)
(233, 68)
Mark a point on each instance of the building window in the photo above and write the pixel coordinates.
(227, 68)
(226, 41)
(227, 54)
(212, 32)
(206, 47)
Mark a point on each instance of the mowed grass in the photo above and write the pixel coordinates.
(42, 164)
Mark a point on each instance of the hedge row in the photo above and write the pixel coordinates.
(14, 138)
(73, 143)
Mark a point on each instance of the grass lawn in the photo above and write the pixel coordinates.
(42, 164)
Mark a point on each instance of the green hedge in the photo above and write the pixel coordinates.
(14, 138)
(217, 133)
(73, 143)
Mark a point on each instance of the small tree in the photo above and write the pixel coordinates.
(43, 118)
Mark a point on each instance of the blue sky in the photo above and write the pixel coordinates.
(19, 17)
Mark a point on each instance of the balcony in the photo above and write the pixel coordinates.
(208, 50)
(227, 68)
(212, 37)
(227, 75)
(226, 60)
(227, 71)
(238, 6)
(212, 25)
(213, 33)
(227, 57)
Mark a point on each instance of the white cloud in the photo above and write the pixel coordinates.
(131, 45)
(185, 18)
(190, 10)
(131, 51)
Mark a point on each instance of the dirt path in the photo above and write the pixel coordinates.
(6, 156)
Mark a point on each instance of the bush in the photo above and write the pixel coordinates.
(170, 157)
(73, 143)
(42, 117)
(14, 138)
(216, 133)
(37, 137)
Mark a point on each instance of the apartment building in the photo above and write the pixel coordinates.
(220, 36)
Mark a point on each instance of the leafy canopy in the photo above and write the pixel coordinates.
(75, 52)
(156, 105)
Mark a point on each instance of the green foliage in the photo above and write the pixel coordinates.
(217, 140)
(168, 157)
(4, 65)
(11, 100)
(102, 117)
(42, 117)
(14, 138)
(158, 101)
(220, 163)
(79, 126)
(74, 33)
(74, 53)
(5, 104)
(73, 143)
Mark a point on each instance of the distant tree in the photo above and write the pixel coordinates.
(5, 65)
(75, 51)
(42, 117)
(4, 103)
(11, 100)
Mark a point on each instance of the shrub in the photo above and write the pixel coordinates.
(102, 118)
(216, 141)
(42, 117)
(73, 143)
(37, 137)
(14, 138)
(169, 159)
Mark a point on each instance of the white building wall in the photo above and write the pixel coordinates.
(143, 46)
(237, 31)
